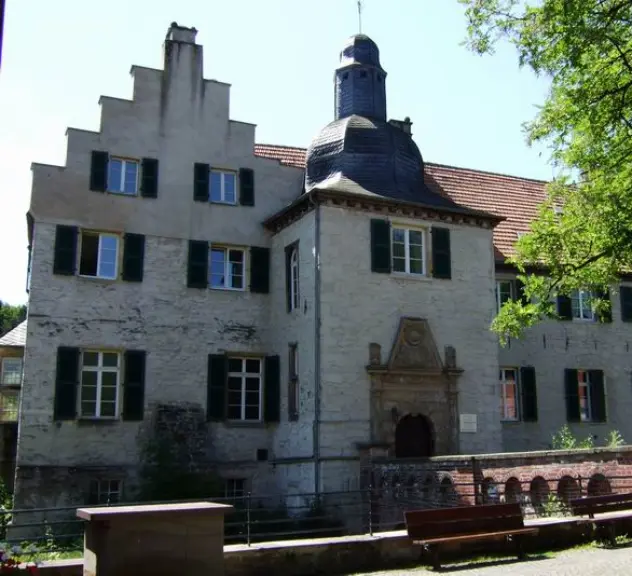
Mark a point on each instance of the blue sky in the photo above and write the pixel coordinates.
(279, 56)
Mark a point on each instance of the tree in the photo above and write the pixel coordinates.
(10, 317)
(585, 48)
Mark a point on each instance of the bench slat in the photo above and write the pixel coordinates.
(466, 537)
(591, 505)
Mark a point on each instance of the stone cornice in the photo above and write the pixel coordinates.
(378, 205)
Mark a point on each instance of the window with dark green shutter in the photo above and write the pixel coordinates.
(292, 293)
(597, 396)
(380, 246)
(564, 307)
(99, 171)
(605, 315)
(572, 395)
(133, 257)
(65, 258)
(259, 270)
(246, 187)
(201, 175)
(134, 385)
(197, 269)
(529, 395)
(625, 295)
(272, 389)
(441, 253)
(149, 178)
(66, 383)
(216, 382)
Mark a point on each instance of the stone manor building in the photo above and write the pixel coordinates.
(312, 307)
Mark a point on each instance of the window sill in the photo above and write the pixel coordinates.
(124, 194)
(510, 422)
(97, 278)
(244, 424)
(218, 289)
(408, 276)
(222, 203)
(85, 421)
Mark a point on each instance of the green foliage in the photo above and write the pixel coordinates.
(554, 506)
(584, 47)
(10, 317)
(615, 439)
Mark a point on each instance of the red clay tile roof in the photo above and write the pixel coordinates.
(513, 198)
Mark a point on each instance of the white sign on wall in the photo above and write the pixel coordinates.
(468, 423)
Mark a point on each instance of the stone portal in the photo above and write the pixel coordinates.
(414, 395)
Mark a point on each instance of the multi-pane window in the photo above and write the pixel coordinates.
(99, 255)
(245, 388)
(227, 268)
(99, 390)
(123, 176)
(509, 392)
(583, 390)
(581, 302)
(11, 374)
(223, 186)
(504, 292)
(292, 395)
(408, 251)
(234, 488)
(294, 286)
(105, 492)
(9, 404)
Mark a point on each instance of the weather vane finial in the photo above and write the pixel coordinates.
(360, 15)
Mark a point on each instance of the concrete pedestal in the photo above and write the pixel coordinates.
(157, 540)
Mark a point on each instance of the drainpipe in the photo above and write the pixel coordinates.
(317, 320)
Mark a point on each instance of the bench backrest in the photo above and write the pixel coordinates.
(590, 505)
(442, 522)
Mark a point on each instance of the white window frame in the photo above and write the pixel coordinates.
(100, 369)
(120, 189)
(228, 275)
(235, 488)
(295, 297)
(9, 360)
(504, 382)
(585, 384)
(582, 297)
(424, 243)
(101, 236)
(512, 291)
(243, 375)
(104, 487)
(223, 174)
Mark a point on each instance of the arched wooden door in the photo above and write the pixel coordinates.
(414, 437)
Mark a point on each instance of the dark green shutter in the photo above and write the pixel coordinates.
(259, 270)
(65, 259)
(597, 396)
(528, 394)
(99, 171)
(572, 395)
(66, 383)
(380, 246)
(216, 386)
(626, 303)
(246, 187)
(441, 253)
(272, 389)
(197, 270)
(201, 176)
(134, 385)
(564, 307)
(133, 257)
(605, 315)
(520, 295)
(149, 178)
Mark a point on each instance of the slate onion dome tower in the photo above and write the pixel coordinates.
(360, 151)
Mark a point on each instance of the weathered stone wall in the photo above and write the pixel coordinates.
(178, 118)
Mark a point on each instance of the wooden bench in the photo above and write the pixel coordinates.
(591, 505)
(435, 528)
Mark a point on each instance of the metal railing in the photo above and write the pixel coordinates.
(259, 518)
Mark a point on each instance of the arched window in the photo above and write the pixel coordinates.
(294, 291)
